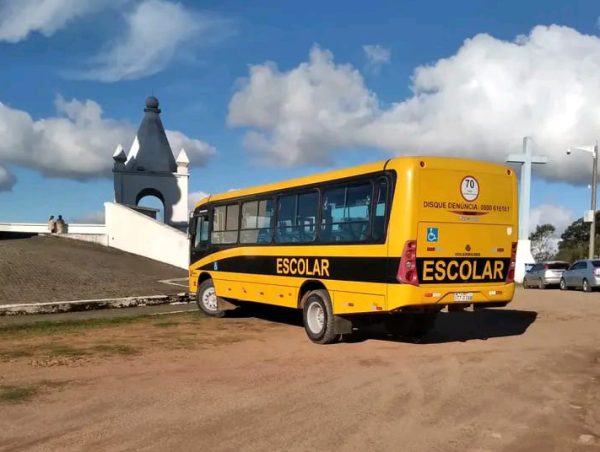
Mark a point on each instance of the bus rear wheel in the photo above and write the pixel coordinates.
(207, 300)
(318, 318)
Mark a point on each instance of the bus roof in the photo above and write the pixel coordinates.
(393, 163)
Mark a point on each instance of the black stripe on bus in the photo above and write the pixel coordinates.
(361, 269)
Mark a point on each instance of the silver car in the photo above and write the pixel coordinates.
(584, 274)
(545, 274)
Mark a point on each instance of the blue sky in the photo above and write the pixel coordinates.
(366, 103)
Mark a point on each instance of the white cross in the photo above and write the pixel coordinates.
(526, 159)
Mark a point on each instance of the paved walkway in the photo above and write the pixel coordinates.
(43, 268)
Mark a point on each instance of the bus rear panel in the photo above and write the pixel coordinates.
(461, 237)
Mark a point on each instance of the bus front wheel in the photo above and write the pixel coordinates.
(318, 318)
(207, 300)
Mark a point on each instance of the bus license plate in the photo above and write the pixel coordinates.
(463, 296)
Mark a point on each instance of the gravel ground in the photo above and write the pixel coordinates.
(44, 268)
(522, 378)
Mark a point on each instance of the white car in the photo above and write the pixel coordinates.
(545, 274)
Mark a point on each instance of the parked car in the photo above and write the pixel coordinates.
(584, 274)
(545, 274)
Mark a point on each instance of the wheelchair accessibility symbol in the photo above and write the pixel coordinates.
(432, 234)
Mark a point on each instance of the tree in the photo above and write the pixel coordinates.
(575, 241)
(543, 244)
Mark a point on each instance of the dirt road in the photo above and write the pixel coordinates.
(517, 379)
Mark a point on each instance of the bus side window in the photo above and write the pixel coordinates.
(265, 212)
(256, 221)
(345, 213)
(201, 231)
(286, 212)
(297, 218)
(225, 224)
(306, 220)
(380, 210)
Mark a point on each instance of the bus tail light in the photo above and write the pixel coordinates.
(510, 277)
(407, 271)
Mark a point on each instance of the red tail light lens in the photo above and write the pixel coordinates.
(510, 277)
(407, 271)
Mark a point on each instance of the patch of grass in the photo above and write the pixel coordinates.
(15, 353)
(64, 326)
(56, 350)
(14, 394)
(75, 326)
(17, 394)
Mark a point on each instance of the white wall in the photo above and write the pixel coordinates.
(136, 233)
(80, 228)
(36, 228)
(42, 228)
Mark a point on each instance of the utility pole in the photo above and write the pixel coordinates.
(594, 187)
(592, 213)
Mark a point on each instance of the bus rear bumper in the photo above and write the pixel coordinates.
(407, 297)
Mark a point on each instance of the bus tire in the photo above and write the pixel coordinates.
(207, 300)
(318, 318)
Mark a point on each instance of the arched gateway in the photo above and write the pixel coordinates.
(151, 170)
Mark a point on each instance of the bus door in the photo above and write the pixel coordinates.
(199, 235)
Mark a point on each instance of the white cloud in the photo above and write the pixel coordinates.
(77, 143)
(197, 151)
(157, 33)
(558, 216)
(303, 115)
(479, 103)
(376, 56)
(7, 179)
(194, 197)
(19, 18)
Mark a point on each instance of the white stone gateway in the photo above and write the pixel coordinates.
(151, 169)
(526, 159)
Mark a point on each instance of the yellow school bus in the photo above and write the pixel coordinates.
(394, 241)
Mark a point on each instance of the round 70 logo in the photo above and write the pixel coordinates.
(469, 188)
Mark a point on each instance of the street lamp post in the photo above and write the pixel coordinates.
(594, 186)
(594, 151)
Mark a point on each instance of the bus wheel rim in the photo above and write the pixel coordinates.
(315, 317)
(209, 299)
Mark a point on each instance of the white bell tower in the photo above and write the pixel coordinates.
(151, 169)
